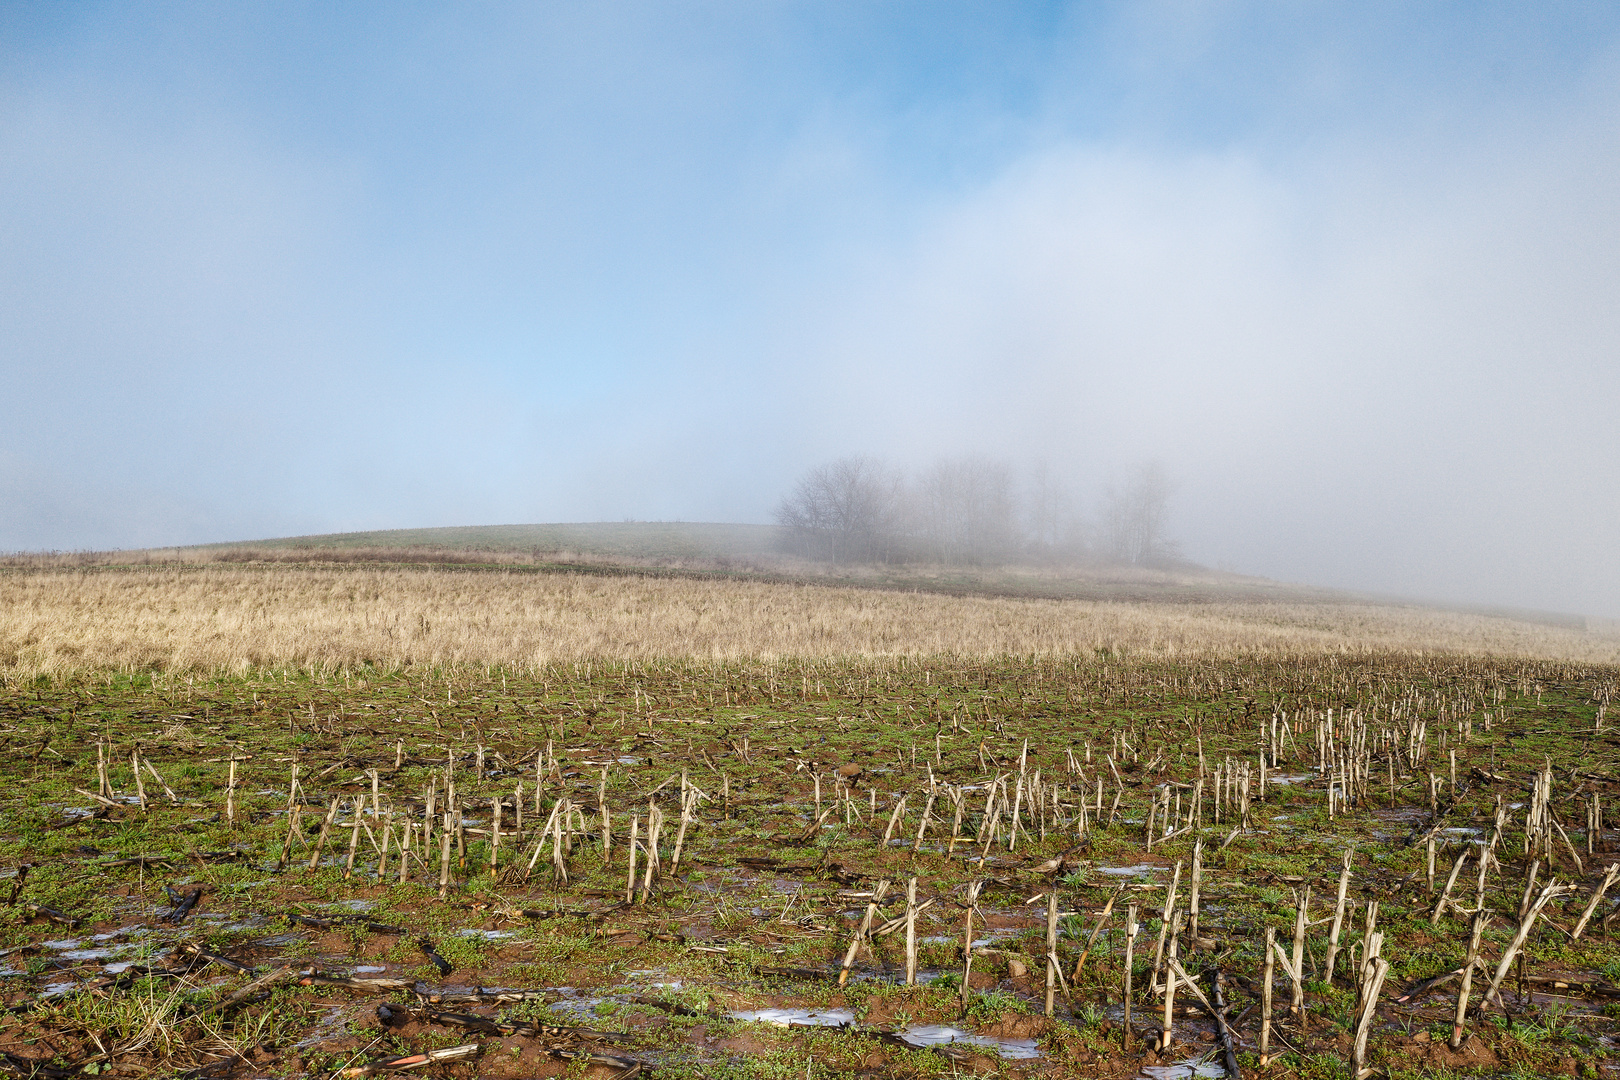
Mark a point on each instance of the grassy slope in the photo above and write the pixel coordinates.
(721, 546)
(750, 552)
(633, 539)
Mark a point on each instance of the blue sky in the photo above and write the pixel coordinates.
(1347, 270)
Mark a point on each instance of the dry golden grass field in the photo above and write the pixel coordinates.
(222, 618)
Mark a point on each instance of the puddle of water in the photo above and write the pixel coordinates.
(940, 1035)
(582, 1008)
(893, 978)
(369, 969)
(57, 989)
(255, 923)
(334, 1025)
(487, 935)
(1284, 780)
(1183, 1070)
(74, 949)
(1139, 870)
(88, 954)
(645, 977)
(798, 1017)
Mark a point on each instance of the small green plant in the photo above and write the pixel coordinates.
(1552, 1024)
(1088, 1015)
(992, 1005)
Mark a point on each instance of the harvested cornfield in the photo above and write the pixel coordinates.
(992, 847)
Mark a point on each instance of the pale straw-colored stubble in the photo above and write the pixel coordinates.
(220, 619)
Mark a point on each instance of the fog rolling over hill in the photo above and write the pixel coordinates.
(720, 551)
(1347, 271)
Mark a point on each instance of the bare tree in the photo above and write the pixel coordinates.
(968, 511)
(843, 511)
(1134, 516)
(964, 511)
(1052, 528)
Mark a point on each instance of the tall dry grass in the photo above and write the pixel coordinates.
(62, 622)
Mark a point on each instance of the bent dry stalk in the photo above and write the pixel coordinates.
(1609, 877)
(911, 931)
(972, 903)
(1551, 890)
(1338, 918)
(1372, 984)
(1481, 920)
(863, 935)
(1130, 947)
(1051, 948)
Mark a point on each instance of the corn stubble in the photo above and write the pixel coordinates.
(1122, 829)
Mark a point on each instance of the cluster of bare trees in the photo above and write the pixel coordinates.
(969, 511)
(844, 511)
